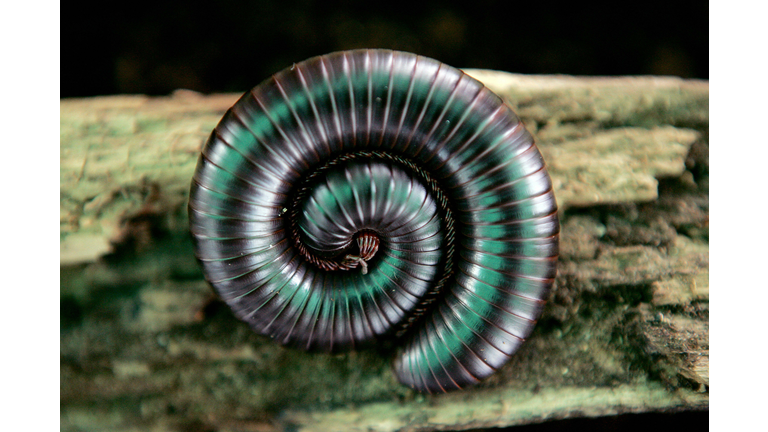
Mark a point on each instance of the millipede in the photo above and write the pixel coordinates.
(372, 195)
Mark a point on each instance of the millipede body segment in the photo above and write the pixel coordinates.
(373, 194)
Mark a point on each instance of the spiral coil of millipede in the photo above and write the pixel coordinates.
(372, 194)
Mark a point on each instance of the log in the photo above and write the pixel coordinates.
(145, 345)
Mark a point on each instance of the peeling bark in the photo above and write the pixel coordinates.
(146, 346)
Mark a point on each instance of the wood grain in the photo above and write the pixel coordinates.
(146, 346)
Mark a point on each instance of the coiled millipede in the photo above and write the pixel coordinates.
(367, 195)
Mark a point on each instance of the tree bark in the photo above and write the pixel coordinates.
(146, 346)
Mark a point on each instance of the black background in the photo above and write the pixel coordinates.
(230, 46)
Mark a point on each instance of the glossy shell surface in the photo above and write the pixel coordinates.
(372, 194)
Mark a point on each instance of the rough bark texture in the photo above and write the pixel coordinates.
(145, 346)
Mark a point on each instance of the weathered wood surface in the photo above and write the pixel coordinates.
(145, 346)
